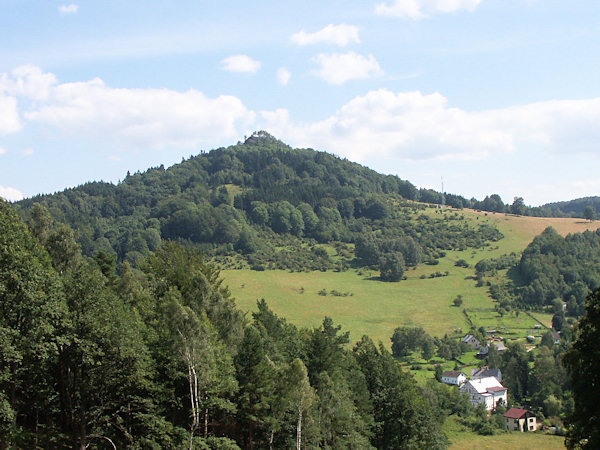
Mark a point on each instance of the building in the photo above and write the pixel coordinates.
(517, 419)
(472, 341)
(484, 350)
(487, 391)
(485, 372)
(455, 377)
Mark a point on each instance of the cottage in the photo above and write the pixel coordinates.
(472, 341)
(556, 337)
(487, 391)
(455, 377)
(484, 350)
(517, 419)
(485, 372)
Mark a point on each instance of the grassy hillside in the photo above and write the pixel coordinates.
(376, 308)
(463, 439)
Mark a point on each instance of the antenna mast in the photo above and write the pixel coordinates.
(443, 196)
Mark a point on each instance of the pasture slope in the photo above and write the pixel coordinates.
(362, 304)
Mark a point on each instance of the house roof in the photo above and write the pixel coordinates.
(497, 389)
(483, 385)
(499, 345)
(516, 413)
(452, 373)
(485, 372)
(468, 338)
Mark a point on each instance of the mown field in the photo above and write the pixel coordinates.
(364, 305)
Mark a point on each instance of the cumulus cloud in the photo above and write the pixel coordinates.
(340, 35)
(2, 151)
(339, 68)
(240, 64)
(68, 9)
(418, 9)
(420, 127)
(10, 194)
(28, 81)
(140, 118)
(283, 76)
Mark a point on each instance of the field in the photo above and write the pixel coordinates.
(364, 305)
(463, 439)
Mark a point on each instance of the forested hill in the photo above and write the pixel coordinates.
(577, 207)
(249, 198)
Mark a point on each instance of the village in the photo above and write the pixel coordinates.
(484, 384)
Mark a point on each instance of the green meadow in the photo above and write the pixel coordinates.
(462, 438)
(362, 304)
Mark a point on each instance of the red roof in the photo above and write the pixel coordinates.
(496, 388)
(516, 413)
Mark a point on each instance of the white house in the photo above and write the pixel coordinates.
(454, 377)
(488, 391)
(485, 372)
(517, 419)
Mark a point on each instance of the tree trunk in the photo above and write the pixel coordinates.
(205, 423)
(299, 430)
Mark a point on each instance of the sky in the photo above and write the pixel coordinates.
(488, 96)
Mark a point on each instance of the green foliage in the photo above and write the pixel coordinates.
(554, 266)
(406, 340)
(589, 213)
(284, 200)
(391, 267)
(404, 418)
(582, 362)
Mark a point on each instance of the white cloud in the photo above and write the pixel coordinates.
(340, 35)
(68, 9)
(9, 116)
(341, 67)
(283, 76)
(10, 194)
(28, 151)
(114, 158)
(28, 81)
(2, 151)
(418, 9)
(139, 118)
(241, 64)
(418, 127)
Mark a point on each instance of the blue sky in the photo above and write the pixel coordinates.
(493, 96)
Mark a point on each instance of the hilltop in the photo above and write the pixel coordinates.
(283, 222)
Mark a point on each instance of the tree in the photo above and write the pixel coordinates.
(438, 372)
(558, 321)
(403, 416)
(32, 316)
(518, 207)
(210, 371)
(589, 213)
(458, 300)
(257, 383)
(392, 267)
(583, 364)
(300, 395)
